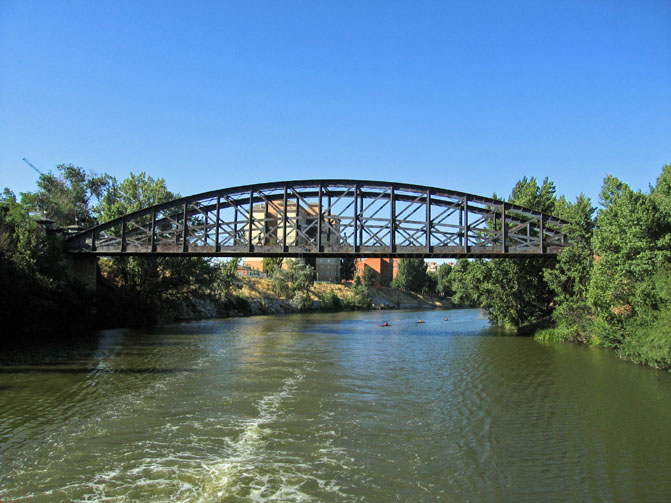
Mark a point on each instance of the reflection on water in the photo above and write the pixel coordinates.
(330, 407)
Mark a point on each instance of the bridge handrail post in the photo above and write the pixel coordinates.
(123, 234)
(285, 212)
(392, 238)
(152, 237)
(319, 221)
(217, 246)
(504, 231)
(185, 245)
(465, 228)
(235, 224)
(541, 231)
(356, 216)
(250, 219)
(428, 221)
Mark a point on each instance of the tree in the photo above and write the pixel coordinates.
(68, 197)
(632, 240)
(515, 292)
(443, 280)
(529, 194)
(466, 281)
(301, 301)
(569, 279)
(301, 276)
(298, 277)
(150, 277)
(35, 293)
(370, 276)
(359, 298)
(132, 194)
(228, 279)
(411, 275)
(347, 268)
(270, 264)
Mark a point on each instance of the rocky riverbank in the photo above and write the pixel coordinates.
(256, 297)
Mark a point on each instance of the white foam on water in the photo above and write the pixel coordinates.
(253, 473)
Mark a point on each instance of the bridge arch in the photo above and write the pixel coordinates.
(328, 218)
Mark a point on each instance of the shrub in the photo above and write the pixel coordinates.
(370, 276)
(301, 301)
(279, 283)
(358, 299)
(330, 302)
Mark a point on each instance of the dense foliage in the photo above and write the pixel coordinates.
(611, 287)
(39, 294)
(370, 276)
(411, 275)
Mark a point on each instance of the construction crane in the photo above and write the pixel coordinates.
(31, 165)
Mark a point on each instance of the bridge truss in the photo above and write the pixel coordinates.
(328, 218)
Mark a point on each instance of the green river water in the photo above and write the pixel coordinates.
(332, 408)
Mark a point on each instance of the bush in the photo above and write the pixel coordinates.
(242, 305)
(358, 299)
(555, 334)
(330, 302)
(301, 276)
(301, 301)
(648, 338)
(370, 276)
(279, 283)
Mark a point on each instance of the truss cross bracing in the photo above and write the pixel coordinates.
(329, 218)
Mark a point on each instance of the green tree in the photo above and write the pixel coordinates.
(569, 279)
(631, 242)
(370, 276)
(35, 293)
(150, 277)
(301, 301)
(301, 276)
(359, 298)
(298, 277)
(132, 194)
(228, 280)
(347, 268)
(279, 283)
(411, 275)
(443, 284)
(529, 194)
(68, 197)
(271, 264)
(330, 302)
(513, 291)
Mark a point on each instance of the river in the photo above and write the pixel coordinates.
(330, 408)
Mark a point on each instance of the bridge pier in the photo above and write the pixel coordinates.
(83, 269)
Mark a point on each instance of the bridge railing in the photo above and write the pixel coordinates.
(329, 218)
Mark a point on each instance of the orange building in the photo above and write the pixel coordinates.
(386, 268)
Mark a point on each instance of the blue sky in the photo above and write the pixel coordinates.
(463, 95)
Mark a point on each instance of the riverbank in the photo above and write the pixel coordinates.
(256, 297)
(644, 346)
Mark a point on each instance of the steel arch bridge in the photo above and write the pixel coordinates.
(328, 218)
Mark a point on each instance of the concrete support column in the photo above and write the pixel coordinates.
(84, 270)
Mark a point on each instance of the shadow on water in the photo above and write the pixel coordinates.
(89, 370)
